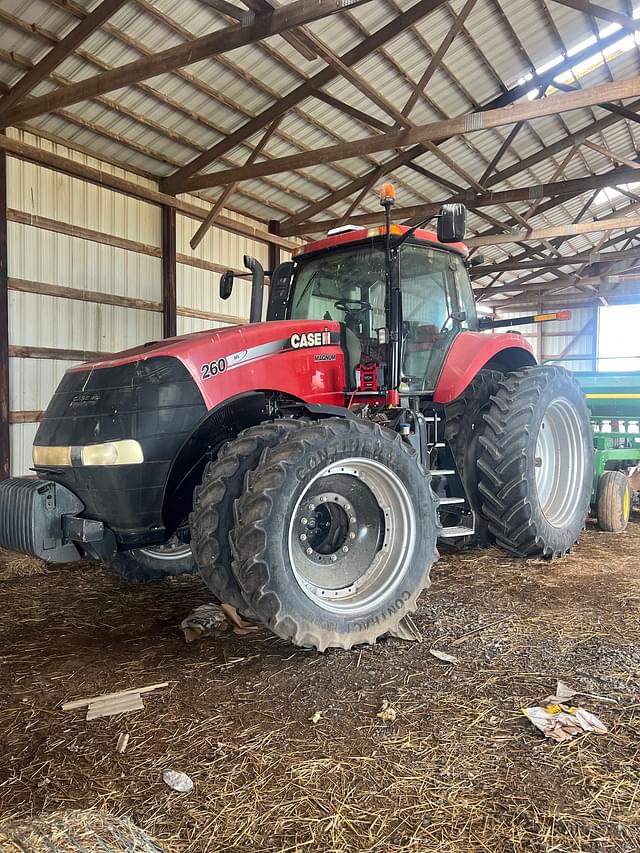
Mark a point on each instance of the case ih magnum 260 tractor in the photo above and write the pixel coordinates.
(310, 463)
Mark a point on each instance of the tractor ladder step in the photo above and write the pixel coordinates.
(448, 501)
(442, 472)
(455, 532)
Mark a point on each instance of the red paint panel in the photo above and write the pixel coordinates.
(257, 357)
(468, 354)
(363, 234)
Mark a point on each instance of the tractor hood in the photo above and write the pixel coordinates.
(302, 358)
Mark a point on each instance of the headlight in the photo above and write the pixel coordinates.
(126, 452)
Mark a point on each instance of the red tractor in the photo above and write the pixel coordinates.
(309, 464)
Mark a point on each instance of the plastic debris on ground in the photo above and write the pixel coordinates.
(208, 618)
(178, 781)
(561, 722)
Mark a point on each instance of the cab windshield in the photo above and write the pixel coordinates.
(348, 285)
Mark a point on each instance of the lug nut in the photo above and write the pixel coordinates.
(333, 558)
(303, 537)
(352, 535)
(348, 507)
(345, 549)
(304, 521)
(323, 499)
(311, 507)
(352, 519)
(309, 551)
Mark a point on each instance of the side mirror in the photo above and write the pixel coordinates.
(226, 284)
(452, 222)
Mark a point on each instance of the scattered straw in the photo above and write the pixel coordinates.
(459, 769)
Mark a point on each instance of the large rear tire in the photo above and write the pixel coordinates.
(155, 563)
(212, 518)
(536, 462)
(335, 534)
(613, 503)
(463, 425)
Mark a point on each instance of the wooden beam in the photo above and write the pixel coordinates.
(540, 286)
(102, 12)
(72, 167)
(512, 95)
(228, 9)
(5, 446)
(625, 21)
(599, 225)
(274, 251)
(168, 229)
(612, 155)
(25, 417)
(460, 126)
(175, 182)
(437, 57)
(297, 38)
(287, 17)
(56, 353)
(60, 291)
(210, 219)
(575, 186)
(541, 263)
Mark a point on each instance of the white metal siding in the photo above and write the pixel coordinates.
(48, 257)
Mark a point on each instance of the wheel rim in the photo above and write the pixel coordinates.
(560, 462)
(352, 536)
(174, 549)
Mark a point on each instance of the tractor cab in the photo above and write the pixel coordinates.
(344, 278)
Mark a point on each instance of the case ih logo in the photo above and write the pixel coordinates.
(311, 339)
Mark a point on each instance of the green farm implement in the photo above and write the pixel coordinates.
(614, 403)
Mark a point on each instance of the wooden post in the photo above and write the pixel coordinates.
(169, 323)
(274, 250)
(5, 447)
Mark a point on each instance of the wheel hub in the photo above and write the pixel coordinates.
(351, 534)
(559, 462)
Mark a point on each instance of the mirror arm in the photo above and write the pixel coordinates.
(414, 228)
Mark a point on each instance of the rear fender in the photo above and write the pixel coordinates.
(472, 351)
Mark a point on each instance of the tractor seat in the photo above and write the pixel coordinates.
(423, 338)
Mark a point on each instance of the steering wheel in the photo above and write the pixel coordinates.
(353, 306)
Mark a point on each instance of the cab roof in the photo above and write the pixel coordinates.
(358, 235)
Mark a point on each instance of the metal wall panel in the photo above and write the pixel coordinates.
(36, 254)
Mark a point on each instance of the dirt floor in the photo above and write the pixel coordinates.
(460, 769)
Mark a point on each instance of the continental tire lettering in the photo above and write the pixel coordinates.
(397, 605)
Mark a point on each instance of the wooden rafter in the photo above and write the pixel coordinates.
(292, 15)
(102, 12)
(469, 123)
(627, 23)
(297, 38)
(564, 189)
(512, 95)
(175, 183)
(609, 224)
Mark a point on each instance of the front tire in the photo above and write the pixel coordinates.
(536, 462)
(212, 518)
(335, 534)
(156, 563)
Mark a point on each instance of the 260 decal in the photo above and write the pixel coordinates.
(213, 368)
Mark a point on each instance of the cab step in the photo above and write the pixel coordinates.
(455, 532)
